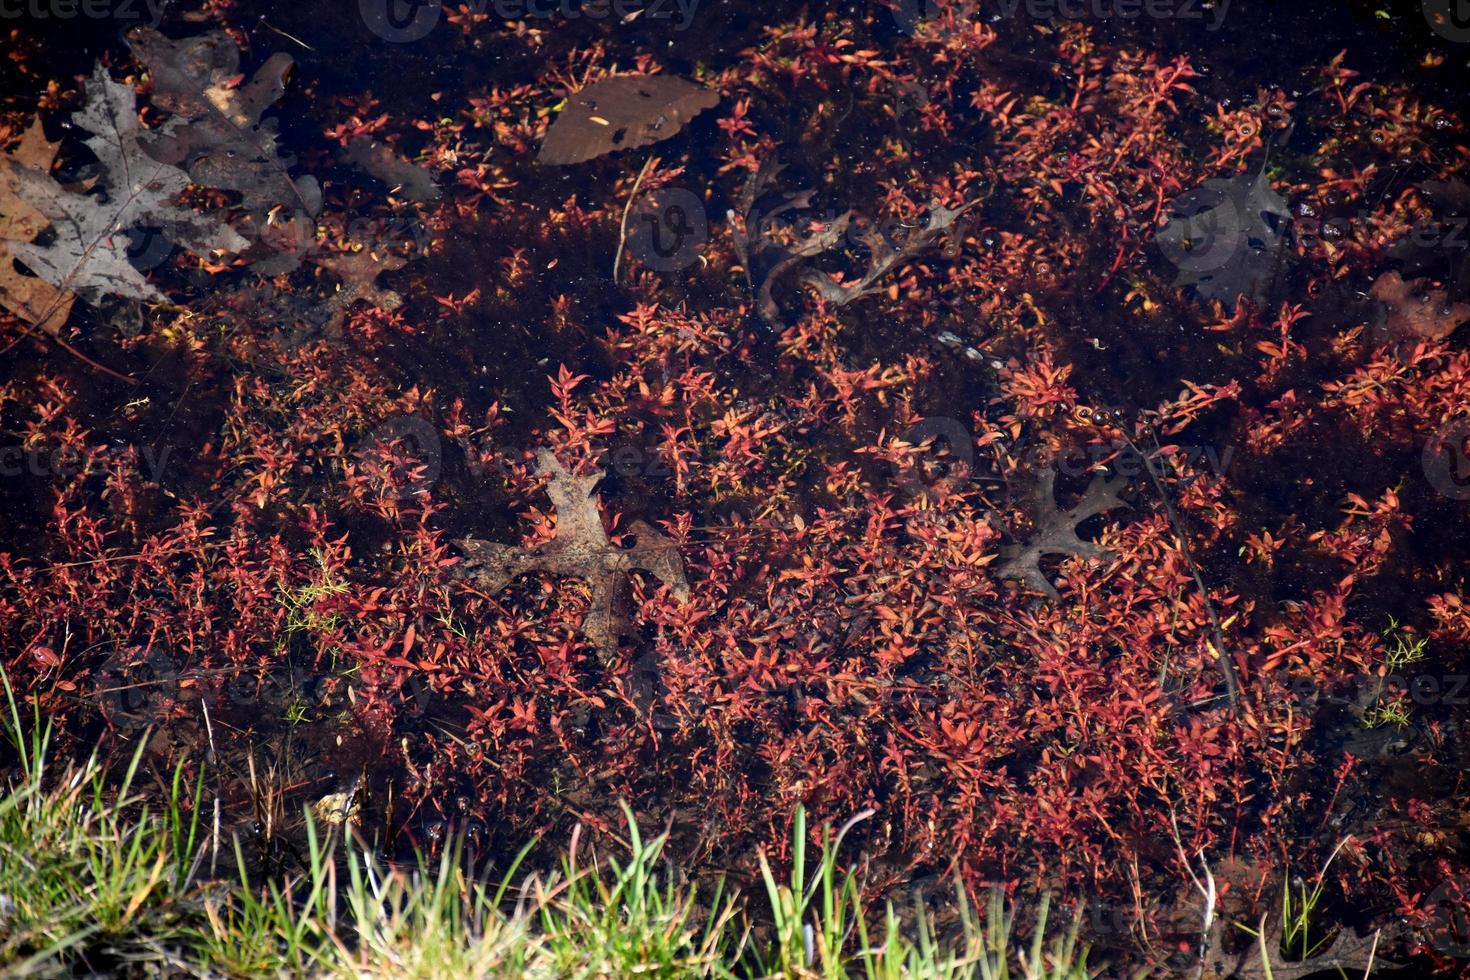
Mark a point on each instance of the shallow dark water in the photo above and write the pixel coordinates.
(503, 350)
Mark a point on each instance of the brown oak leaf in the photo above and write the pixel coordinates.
(359, 273)
(582, 550)
(31, 298)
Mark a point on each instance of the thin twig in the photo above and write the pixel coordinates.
(623, 225)
(1222, 652)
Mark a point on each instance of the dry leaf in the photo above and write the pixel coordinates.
(1413, 310)
(623, 112)
(89, 254)
(381, 161)
(1056, 530)
(31, 298)
(581, 549)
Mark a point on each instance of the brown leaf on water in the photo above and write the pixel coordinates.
(1415, 310)
(623, 112)
(582, 550)
(31, 298)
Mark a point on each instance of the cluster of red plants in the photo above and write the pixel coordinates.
(846, 643)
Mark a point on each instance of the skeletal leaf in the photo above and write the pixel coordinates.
(216, 131)
(884, 257)
(581, 549)
(623, 112)
(31, 298)
(89, 254)
(1056, 530)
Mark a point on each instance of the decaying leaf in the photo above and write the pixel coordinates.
(1056, 530)
(216, 132)
(31, 298)
(1348, 954)
(767, 252)
(1415, 310)
(581, 549)
(88, 256)
(621, 113)
(336, 809)
(383, 162)
(359, 273)
(1226, 237)
(884, 257)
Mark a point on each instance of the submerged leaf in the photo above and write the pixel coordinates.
(581, 549)
(1226, 237)
(623, 112)
(1414, 310)
(1056, 530)
(89, 254)
(216, 132)
(383, 162)
(31, 298)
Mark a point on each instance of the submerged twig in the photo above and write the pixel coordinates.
(1222, 652)
(623, 225)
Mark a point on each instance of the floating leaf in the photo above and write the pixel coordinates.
(623, 112)
(581, 549)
